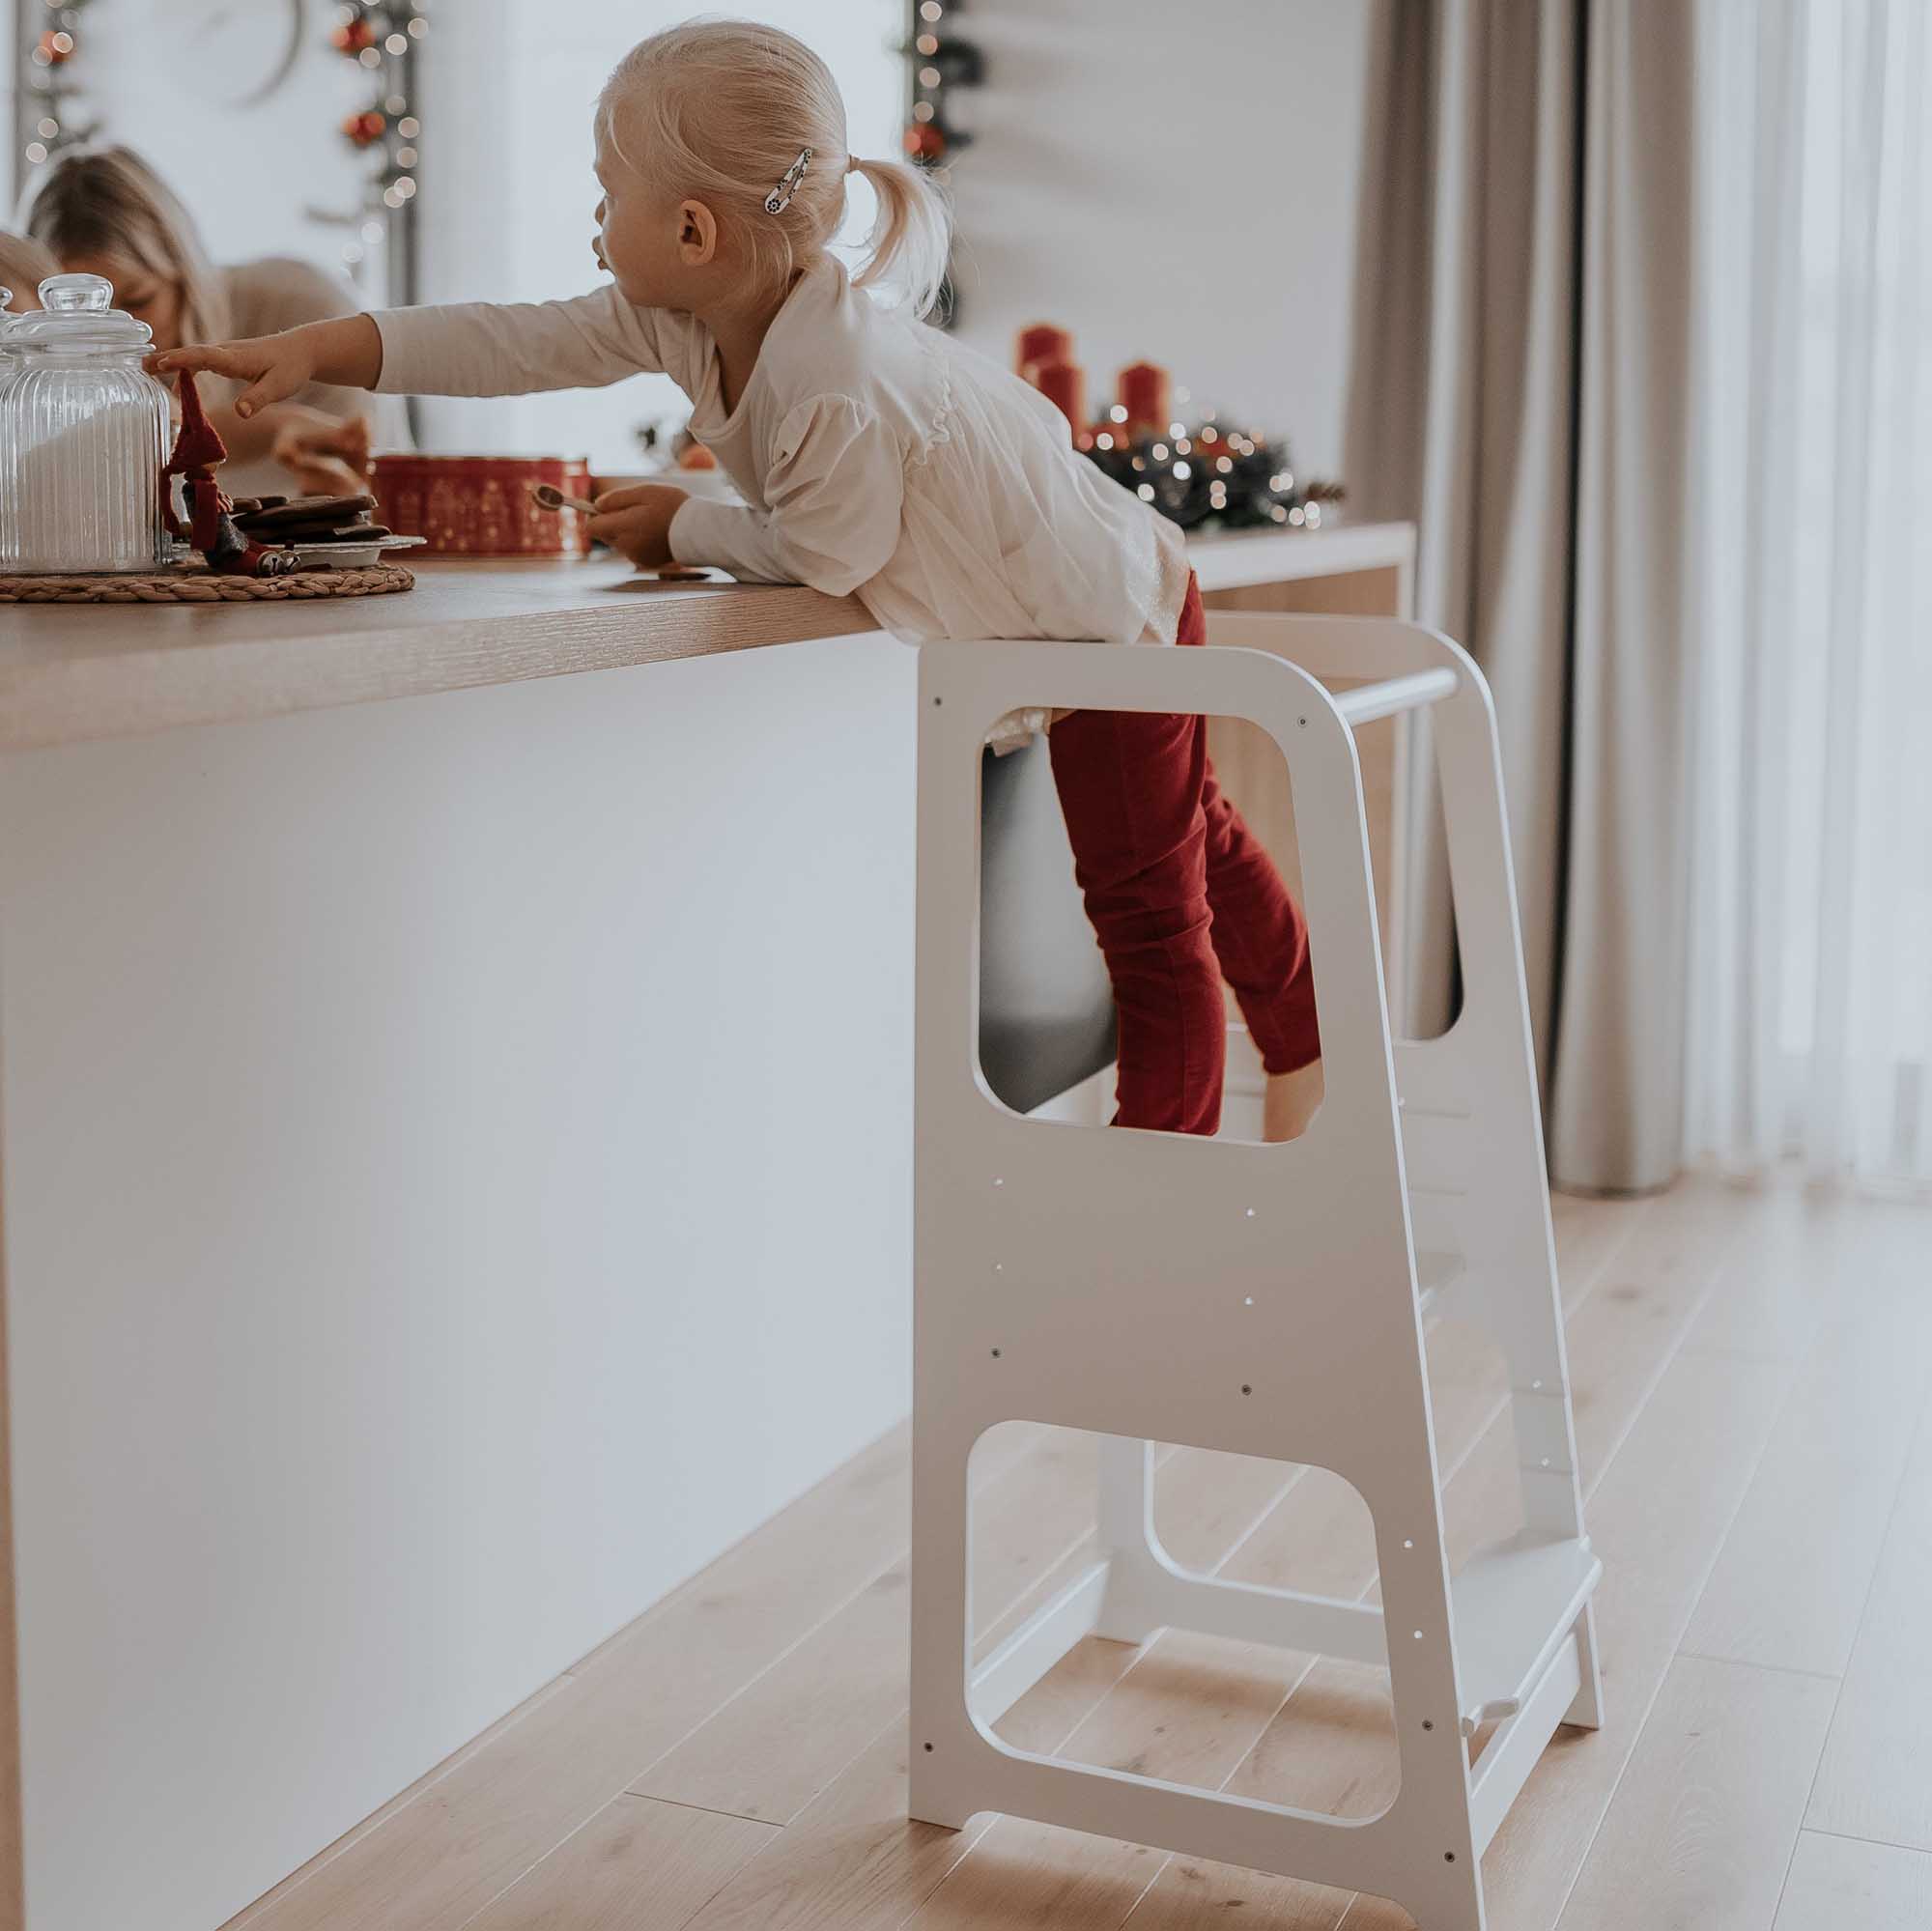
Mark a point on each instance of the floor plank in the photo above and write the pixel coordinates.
(1658, 1533)
(1705, 1821)
(474, 1832)
(851, 1863)
(1640, 1309)
(1876, 1778)
(776, 1745)
(1832, 1465)
(635, 1862)
(1589, 1230)
(1839, 1884)
(1188, 1710)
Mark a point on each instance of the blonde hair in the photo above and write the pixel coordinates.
(25, 265)
(720, 110)
(107, 201)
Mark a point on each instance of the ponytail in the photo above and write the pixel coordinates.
(912, 237)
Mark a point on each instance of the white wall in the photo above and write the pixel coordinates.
(509, 193)
(250, 174)
(457, 1183)
(1172, 182)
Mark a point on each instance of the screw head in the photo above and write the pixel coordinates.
(1248, 1388)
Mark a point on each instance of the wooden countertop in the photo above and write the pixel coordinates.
(71, 672)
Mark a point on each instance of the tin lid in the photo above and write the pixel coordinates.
(77, 314)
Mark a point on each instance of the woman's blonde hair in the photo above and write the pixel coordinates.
(721, 110)
(25, 265)
(108, 201)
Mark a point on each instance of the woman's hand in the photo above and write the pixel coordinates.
(328, 455)
(272, 366)
(636, 522)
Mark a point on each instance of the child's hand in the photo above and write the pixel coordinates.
(636, 522)
(273, 366)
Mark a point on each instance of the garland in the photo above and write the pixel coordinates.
(1199, 474)
(937, 60)
(383, 39)
(47, 85)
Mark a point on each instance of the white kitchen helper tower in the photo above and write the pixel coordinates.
(1265, 1300)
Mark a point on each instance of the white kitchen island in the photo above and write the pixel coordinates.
(455, 1180)
(455, 1173)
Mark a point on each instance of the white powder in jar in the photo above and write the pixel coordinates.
(85, 498)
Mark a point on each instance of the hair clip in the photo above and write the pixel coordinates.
(780, 198)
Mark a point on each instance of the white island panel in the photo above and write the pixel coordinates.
(455, 1183)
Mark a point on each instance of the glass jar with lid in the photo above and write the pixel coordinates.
(84, 433)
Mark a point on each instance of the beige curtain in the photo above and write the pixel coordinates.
(1519, 390)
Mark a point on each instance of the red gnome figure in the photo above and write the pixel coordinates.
(210, 529)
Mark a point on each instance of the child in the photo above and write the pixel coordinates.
(880, 458)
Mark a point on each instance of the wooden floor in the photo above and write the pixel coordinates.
(1751, 1388)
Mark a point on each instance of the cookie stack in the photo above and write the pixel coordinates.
(296, 521)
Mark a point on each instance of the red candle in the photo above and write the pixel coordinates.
(1064, 386)
(1145, 395)
(1042, 343)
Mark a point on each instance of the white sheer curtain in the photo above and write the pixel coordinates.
(1810, 997)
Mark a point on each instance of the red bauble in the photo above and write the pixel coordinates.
(352, 36)
(364, 130)
(923, 142)
(55, 48)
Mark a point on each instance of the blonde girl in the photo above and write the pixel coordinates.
(880, 458)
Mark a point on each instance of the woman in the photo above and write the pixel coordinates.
(104, 212)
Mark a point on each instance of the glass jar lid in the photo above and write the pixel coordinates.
(77, 315)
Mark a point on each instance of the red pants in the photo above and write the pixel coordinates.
(1181, 896)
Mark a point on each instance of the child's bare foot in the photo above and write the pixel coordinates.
(1291, 1101)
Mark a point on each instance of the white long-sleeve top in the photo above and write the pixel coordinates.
(877, 457)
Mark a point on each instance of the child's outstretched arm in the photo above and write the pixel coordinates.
(468, 349)
(347, 351)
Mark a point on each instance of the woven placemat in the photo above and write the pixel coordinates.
(204, 586)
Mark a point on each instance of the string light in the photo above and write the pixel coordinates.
(45, 82)
(381, 37)
(1238, 481)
